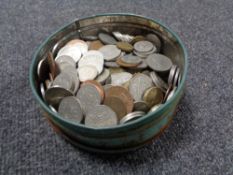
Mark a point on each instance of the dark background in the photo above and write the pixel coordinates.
(200, 138)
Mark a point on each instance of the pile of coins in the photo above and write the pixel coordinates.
(108, 79)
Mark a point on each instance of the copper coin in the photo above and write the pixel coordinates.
(153, 96)
(123, 94)
(124, 46)
(98, 86)
(117, 105)
(95, 45)
(124, 64)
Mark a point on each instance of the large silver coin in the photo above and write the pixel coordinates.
(87, 72)
(103, 76)
(110, 52)
(65, 65)
(155, 40)
(120, 78)
(55, 94)
(131, 59)
(158, 81)
(65, 58)
(143, 46)
(138, 84)
(132, 116)
(89, 96)
(106, 38)
(140, 106)
(72, 51)
(100, 116)
(172, 74)
(159, 62)
(64, 80)
(70, 108)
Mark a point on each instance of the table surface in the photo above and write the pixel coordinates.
(200, 138)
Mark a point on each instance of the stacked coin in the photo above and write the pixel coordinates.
(108, 79)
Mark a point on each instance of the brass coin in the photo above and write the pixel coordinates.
(124, 64)
(123, 94)
(137, 38)
(98, 86)
(95, 45)
(140, 106)
(153, 96)
(124, 46)
(117, 105)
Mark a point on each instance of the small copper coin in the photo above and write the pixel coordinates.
(123, 94)
(124, 46)
(98, 86)
(95, 45)
(153, 96)
(117, 105)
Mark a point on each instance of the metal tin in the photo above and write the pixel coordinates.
(131, 135)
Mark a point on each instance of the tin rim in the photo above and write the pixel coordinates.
(118, 127)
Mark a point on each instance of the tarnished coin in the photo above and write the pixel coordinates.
(106, 38)
(52, 108)
(155, 107)
(143, 46)
(155, 40)
(170, 95)
(132, 116)
(43, 69)
(82, 45)
(153, 96)
(97, 85)
(131, 59)
(117, 105)
(87, 72)
(116, 70)
(111, 64)
(140, 106)
(124, 46)
(70, 108)
(138, 84)
(64, 80)
(55, 94)
(89, 97)
(95, 45)
(103, 76)
(92, 58)
(72, 51)
(123, 94)
(65, 58)
(100, 116)
(159, 62)
(124, 64)
(110, 52)
(120, 78)
(172, 74)
(158, 81)
(176, 77)
(52, 65)
(137, 38)
(88, 37)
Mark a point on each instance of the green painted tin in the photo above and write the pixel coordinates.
(122, 137)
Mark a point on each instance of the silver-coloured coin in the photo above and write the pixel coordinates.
(106, 38)
(55, 94)
(159, 62)
(155, 40)
(179, 79)
(101, 116)
(42, 90)
(140, 106)
(72, 51)
(65, 65)
(43, 69)
(64, 80)
(138, 84)
(112, 64)
(155, 107)
(65, 58)
(171, 93)
(88, 37)
(89, 96)
(110, 52)
(131, 59)
(132, 116)
(141, 66)
(172, 74)
(176, 77)
(120, 78)
(70, 108)
(87, 72)
(79, 44)
(93, 58)
(144, 54)
(103, 76)
(143, 46)
(123, 37)
(158, 81)
(52, 108)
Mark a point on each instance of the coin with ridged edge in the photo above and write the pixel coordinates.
(124, 46)
(132, 116)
